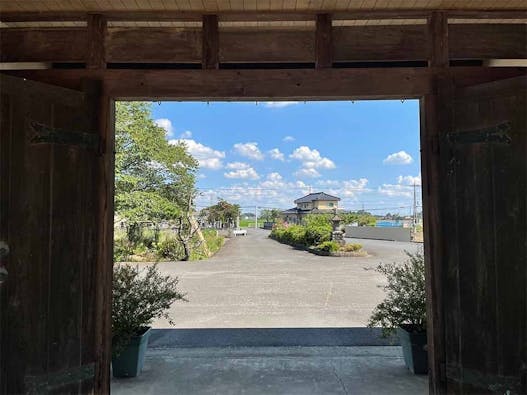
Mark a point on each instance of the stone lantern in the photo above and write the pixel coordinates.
(336, 234)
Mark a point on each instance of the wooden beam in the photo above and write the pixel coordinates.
(43, 45)
(300, 84)
(153, 45)
(433, 120)
(487, 41)
(262, 46)
(323, 42)
(211, 43)
(438, 56)
(262, 16)
(95, 57)
(245, 45)
(375, 43)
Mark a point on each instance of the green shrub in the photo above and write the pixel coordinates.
(170, 249)
(138, 297)
(122, 250)
(352, 247)
(405, 301)
(328, 246)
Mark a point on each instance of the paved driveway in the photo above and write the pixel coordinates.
(256, 282)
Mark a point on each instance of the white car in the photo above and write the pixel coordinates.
(239, 232)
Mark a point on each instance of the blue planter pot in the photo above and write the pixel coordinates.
(414, 350)
(129, 362)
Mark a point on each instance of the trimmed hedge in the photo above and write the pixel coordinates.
(316, 231)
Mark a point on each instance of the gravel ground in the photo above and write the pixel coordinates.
(256, 282)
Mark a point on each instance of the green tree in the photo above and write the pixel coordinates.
(362, 218)
(222, 212)
(270, 215)
(153, 178)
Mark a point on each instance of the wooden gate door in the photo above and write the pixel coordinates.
(49, 182)
(484, 198)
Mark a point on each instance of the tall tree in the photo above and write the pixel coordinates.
(153, 178)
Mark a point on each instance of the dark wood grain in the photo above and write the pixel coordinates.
(153, 45)
(323, 42)
(95, 57)
(210, 43)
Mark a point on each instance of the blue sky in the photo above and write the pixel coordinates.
(269, 153)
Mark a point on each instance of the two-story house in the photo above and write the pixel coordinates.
(314, 203)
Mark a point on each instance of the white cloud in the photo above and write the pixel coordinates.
(274, 176)
(248, 173)
(404, 186)
(398, 158)
(165, 124)
(237, 165)
(395, 190)
(311, 158)
(207, 157)
(186, 134)
(307, 173)
(351, 188)
(279, 104)
(276, 154)
(249, 150)
(409, 180)
(288, 139)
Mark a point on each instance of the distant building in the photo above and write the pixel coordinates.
(314, 203)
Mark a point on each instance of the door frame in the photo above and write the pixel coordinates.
(432, 88)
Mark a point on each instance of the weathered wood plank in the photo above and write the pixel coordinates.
(95, 58)
(263, 16)
(329, 84)
(433, 122)
(372, 43)
(488, 41)
(43, 45)
(153, 45)
(323, 42)
(262, 46)
(243, 45)
(211, 44)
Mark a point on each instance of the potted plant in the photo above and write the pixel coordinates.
(403, 310)
(139, 296)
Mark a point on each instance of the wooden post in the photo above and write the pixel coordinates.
(211, 48)
(323, 42)
(433, 117)
(95, 57)
(102, 108)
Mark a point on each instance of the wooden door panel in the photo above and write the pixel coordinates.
(49, 219)
(484, 157)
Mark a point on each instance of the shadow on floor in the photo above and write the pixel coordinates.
(363, 370)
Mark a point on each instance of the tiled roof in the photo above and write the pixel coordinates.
(316, 196)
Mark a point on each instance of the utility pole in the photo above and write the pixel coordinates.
(414, 209)
(255, 217)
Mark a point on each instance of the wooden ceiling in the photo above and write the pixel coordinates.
(251, 5)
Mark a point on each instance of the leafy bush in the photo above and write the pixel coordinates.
(214, 242)
(122, 249)
(316, 230)
(405, 301)
(352, 247)
(169, 248)
(138, 298)
(328, 246)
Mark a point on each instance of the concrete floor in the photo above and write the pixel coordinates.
(256, 282)
(274, 370)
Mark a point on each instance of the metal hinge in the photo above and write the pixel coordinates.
(494, 134)
(43, 134)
